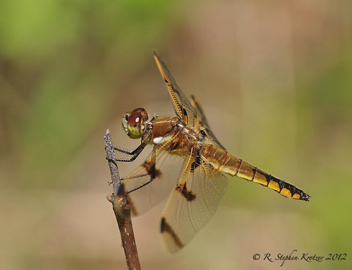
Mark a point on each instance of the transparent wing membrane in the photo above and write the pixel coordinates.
(191, 204)
(204, 122)
(152, 181)
(182, 106)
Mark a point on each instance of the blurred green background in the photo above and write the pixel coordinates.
(274, 77)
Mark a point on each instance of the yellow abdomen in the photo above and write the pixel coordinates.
(225, 162)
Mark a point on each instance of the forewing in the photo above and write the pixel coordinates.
(182, 105)
(191, 204)
(204, 122)
(153, 180)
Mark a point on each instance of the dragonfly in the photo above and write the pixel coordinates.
(186, 163)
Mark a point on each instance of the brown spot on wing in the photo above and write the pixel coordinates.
(185, 193)
(151, 169)
(166, 228)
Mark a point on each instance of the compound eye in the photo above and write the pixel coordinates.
(133, 123)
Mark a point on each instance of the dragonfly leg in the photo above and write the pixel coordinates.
(134, 154)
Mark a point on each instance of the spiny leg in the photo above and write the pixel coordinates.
(135, 153)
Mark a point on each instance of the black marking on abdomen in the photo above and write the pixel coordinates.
(293, 189)
(239, 167)
(268, 179)
(303, 196)
(281, 183)
(254, 172)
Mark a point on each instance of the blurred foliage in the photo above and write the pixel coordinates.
(275, 80)
(60, 64)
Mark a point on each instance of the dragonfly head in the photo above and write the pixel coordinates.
(134, 122)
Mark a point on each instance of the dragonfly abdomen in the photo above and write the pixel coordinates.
(225, 162)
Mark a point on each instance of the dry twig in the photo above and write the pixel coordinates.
(121, 208)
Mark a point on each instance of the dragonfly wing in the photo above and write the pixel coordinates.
(153, 180)
(204, 122)
(182, 105)
(191, 204)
